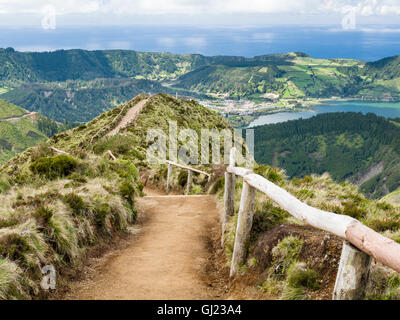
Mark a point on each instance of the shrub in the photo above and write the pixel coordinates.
(285, 253)
(41, 151)
(217, 185)
(10, 279)
(307, 179)
(268, 173)
(196, 189)
(351, 209)
(299, 276)
(384, 222)
(76, 203)
(125, 169)
(43, 215)
(4, 184)
(383, 284)
(266, 218)
(14, 246)
(101, 211)
(118, 144)
(54, 167)
(292, 293)
(127, 191)
(78, 178)
(182, 178)
(305, 194)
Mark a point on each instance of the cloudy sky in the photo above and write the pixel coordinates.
(207, 12)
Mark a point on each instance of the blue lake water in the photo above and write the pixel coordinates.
(384, 109)
(366, 43)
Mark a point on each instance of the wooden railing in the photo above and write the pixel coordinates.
(360, 242)
(189, 178)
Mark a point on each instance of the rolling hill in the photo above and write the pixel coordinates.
(19, 130)
(364, 149)
(77, 85)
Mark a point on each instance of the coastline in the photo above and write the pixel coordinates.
(244, 121)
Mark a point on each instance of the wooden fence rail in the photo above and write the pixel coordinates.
(354, 264)
(190, 174)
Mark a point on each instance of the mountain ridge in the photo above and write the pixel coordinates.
(67, 85)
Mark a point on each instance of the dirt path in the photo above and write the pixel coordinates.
(29, 114)
(129, 117)
(168, 258)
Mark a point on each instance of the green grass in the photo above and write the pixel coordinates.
(10, 110)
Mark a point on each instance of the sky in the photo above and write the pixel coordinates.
(238, 13)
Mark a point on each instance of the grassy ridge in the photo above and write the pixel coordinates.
(18, 134)
(8, 110)
(55, 209)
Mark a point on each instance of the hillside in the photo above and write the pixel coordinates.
(60, 209)
(77, 85)
(57, 209)
(20, 130)
(363, 149)
(393, 197)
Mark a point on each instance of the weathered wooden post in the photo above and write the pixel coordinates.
(169, 176)
(352, 276)
(189, 181)
(229, 195)
(244, 223)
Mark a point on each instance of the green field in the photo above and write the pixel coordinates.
(8, 110)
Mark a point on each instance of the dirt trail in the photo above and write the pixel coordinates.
(167, 260)
(29, 114)
(129, 117)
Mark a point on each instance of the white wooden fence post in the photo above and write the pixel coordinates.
(352, 276)
(229, 195)
(244, 223)
(189, 181)
(169, 176)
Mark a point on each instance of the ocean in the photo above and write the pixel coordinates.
(368, 43)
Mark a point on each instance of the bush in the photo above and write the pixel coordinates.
(217, 185)
(268, 173)
(182, 178)
(10, 279)
(101, 212)
(352, 210)
(118, 144)
(291, 293)
(267, 218)
(196, 189)
(76, 203)
(127, 191)
(54, 167)
(298, 276)
(40, 151)
(43, 215)
(285, 253)
(14, 247)
(4, 184)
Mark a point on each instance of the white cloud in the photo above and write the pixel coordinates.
(203, 7)
(264, 37)
(195, 42)
(166, 42)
